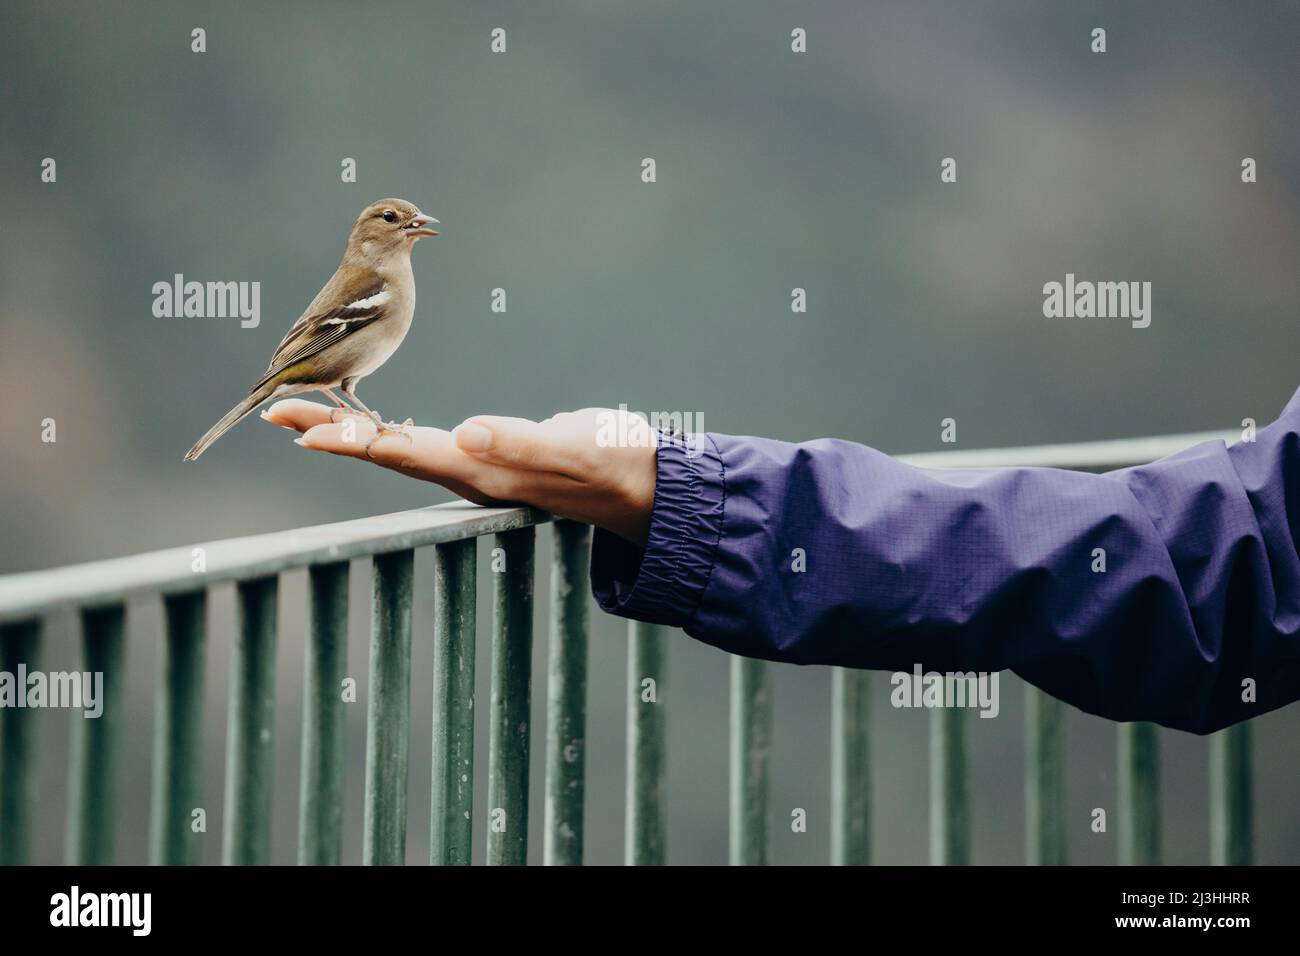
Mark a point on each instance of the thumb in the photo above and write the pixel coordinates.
(515, 442)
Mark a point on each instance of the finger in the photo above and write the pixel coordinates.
(517, 443)
(298, 415)
(416, 448)
(430, 454)
(421, 452)
(342, 438)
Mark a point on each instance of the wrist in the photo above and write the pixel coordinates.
(663, 578)
(636, 495)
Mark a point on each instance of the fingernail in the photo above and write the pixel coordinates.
(301, 441)
(472, 437)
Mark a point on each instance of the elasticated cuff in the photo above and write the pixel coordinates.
(664, 583)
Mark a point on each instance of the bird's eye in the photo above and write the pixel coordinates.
(390, 216)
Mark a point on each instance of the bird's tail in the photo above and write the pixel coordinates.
(228, 421)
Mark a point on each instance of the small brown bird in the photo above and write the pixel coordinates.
(353, 325)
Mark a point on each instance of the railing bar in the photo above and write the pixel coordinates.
(850, 767)
(388, 719)
(645, 828)
(512, 647)
(949, 804)
(1079, 456)
(1046, 840)
(19, 644)
(452, 812)
(178, 733)
(751, 747)
(250, 750)
(1139, 794)
(566, 744)
(320, 797)
(24, 596)
(1232, 830)
(92, 773)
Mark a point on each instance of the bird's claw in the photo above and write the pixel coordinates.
(406, 429)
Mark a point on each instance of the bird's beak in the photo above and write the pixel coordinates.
(419, 225)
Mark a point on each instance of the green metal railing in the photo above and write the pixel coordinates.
(182, 577)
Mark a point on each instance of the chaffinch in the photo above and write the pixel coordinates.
(353, 325)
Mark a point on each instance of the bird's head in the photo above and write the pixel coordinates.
(390, 225)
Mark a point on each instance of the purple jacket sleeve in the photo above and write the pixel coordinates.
(830, 552)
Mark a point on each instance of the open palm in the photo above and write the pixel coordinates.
(564, 465)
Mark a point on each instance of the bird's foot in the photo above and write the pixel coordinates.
(343, 414)
(406, 429)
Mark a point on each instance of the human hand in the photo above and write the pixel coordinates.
(558, 465)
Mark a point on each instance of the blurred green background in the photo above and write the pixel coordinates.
(775, 170)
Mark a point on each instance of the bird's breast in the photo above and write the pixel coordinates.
(377, 342)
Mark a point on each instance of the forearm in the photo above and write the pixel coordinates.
(833, 553)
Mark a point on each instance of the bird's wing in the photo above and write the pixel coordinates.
(349, 283)
(314, 332)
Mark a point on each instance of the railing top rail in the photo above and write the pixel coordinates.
(1075, 456)
(171, 571)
